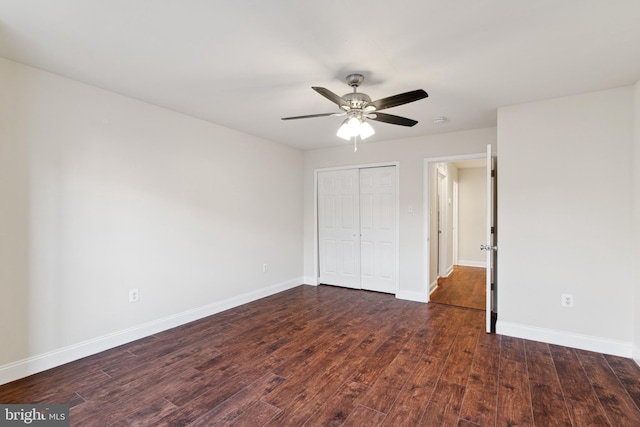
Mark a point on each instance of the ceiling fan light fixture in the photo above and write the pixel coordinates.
(354, 127)
(366, 130)
(354, 123)
(343, 131)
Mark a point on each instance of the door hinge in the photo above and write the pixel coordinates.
(493, 173)
(493, 286)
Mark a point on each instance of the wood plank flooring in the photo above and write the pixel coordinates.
(327, 356)
(464, 287)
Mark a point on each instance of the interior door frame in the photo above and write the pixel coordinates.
(441, 220)
(427, 209)
(454, 225)
(491, 240)
(316, 239)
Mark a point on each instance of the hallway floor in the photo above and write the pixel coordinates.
(465, 287)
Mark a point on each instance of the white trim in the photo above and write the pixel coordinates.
(51, 359)
(465, 263)
(316, 250)
(360, 166)
(456, 219)
(636, 354)
(397, 236)
(551, 336)
(316, 237)
(308, 280)
(443, 225)
(433, 286)
(412, 296)
(449, 271)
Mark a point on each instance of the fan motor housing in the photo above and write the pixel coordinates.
(357, 100)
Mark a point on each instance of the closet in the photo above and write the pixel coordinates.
(358, 228)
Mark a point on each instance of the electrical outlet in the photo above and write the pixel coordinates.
(134, 295)
(264, 267)
(567, 300)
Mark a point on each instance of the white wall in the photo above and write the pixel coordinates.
(410, 154)
(101, 193)
(472, 212)
(636, 219)
(564, 215)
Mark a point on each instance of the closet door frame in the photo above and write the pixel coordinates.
(316, 251)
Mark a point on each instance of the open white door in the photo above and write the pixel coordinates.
(490, 247)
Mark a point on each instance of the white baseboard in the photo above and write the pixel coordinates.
(51, 359)
(568, 339)
(466, 263)
(309, 280)
(433, 286)
(449, 271)
(636, 354)
(412, 296)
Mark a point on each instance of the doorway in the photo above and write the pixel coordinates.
(463, 287)
(457, 221)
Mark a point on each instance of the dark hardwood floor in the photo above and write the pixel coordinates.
(464, 287)
(331, 356)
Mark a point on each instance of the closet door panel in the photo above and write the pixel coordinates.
(339, 228)
(378, 228)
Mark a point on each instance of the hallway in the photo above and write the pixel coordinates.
(464, 287)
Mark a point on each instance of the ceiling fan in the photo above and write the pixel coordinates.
(357, 106)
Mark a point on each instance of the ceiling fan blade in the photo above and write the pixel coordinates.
(402, 98)
(309, 116)
(331, 96)
(390, 118)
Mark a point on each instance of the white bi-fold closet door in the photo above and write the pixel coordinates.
(357, 228)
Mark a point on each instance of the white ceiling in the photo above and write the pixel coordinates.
(245, 64)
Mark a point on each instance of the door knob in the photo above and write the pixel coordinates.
(488, 248)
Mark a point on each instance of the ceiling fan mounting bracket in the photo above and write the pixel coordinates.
(355, 80)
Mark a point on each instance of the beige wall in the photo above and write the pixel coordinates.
(472, 208)
(564, 216)
(102, 193)
(410, 155)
